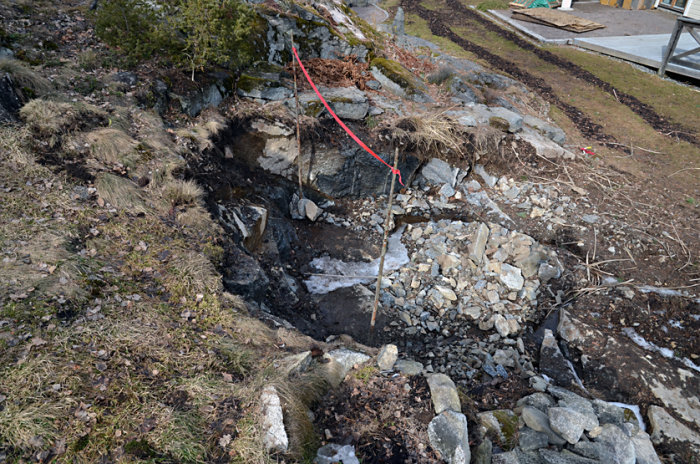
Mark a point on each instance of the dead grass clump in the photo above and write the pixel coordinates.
(345, 72)
(432, 135)
(196, 217)
(191, 273)
(182, 192)
(30, 83)
(441, 75)
(485, 142)
(13, 147)
(111, 146)
(121, 193)
(50, 120)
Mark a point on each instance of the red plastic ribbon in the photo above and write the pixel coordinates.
(588, 151)
(342, 124)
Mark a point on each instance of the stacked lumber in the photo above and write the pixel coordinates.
(556, 18)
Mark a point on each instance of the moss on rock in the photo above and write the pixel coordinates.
(398, 74)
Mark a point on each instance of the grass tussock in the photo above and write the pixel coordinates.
(432, 135)
(14, 150)
(51, 120)
(30, 83)
(121, 193)
(112, 146)
(182, 192)
(190, 274)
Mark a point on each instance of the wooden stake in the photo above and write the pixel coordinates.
(387, 222)
(296, 98)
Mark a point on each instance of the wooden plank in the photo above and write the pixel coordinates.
(556, 18)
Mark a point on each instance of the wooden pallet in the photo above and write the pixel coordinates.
(556, 18)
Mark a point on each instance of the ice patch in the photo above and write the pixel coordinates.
(356, 272)
(665, 352)
(666, 292)
(635, 409)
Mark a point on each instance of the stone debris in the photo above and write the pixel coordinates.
(333, 454)
(387, 357)
(275, 437)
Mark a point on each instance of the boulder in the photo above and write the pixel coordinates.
(438, 172)
(554, 457)
(529, 439)
(347, 102)
(443, 393)
(538, 421)
(449, 436)
(10, 102)
(408, 367)
(545, 147)
(644, 449)
(666, 430)
(548, 130)
(348, 358)
(618, 443)
(567, 423)
(509, 457)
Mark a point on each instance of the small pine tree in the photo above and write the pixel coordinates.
(214, 32)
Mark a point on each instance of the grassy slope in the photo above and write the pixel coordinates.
(675, 102)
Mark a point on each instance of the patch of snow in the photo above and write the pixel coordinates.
(635, 409)
(675, 323)
(665, 352)
(356, 272)
(666, 292)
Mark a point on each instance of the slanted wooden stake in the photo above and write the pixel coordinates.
(296, 98)
(387, 222)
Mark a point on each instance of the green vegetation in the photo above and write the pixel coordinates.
(193, 34)
(397, 73)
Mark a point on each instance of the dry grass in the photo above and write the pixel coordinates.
(430, 135)
(50, 120)
(121, 193)
(191, 273)
(27, 80)
(182, 192)
(112, 146)
(13, 148)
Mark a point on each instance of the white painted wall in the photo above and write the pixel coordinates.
(692, 9)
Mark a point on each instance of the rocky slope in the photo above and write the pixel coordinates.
(489, 347)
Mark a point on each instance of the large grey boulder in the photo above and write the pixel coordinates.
(553, 457)
(509, 457)
(449, 436)
(514, 120)
(443, 393)
(529, 439)
(549, 130)
(644, 449)
(347, 102)
(348, 358)
(408, 367)
(666, 430)
(545, 147)
(618, 443)
(387, 357)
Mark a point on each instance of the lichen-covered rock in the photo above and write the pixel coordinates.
(443, 393)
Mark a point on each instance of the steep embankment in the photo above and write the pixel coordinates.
(167, 296)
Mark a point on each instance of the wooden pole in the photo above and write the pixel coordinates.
(296, 99)
(387, 222)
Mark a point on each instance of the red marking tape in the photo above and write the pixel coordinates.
(588, 151)
(342, 124)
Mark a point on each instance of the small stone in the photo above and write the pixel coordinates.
(309, 209)
(502, 326)
(538, 421)
(530, 439)
(447, 293)
(511, 277)
(275, 437)
(541, 401)
(554, 457)
(332, 454)
(387, 357)
(547, 272)
(408, 367)
(443, 393)
(478, 244)
(449, 436)
(348, 358)
(509, 457)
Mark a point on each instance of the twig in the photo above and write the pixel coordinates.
(387, 221)
(681, 170)
(296, 99)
